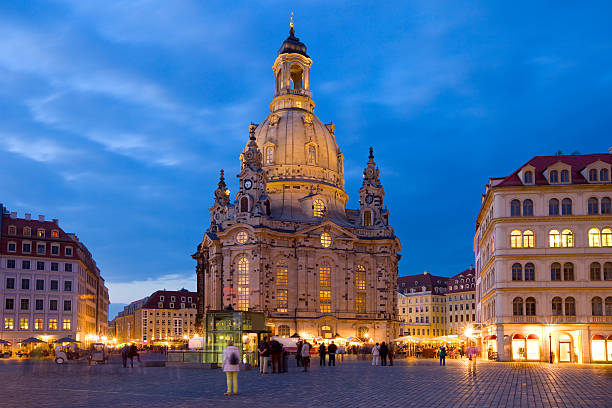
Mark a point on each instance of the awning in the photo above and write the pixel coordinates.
(532, 337)
(408, 338)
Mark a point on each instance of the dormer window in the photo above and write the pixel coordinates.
(12, 230)
(27, 231)
(604, 175)
(565, 176)
(528, 177)
(55, 234)
(161, 298)
(593, 175)
(554, 177)
(41, 233)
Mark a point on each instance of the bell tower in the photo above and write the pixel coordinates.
(292, 75)
(371, 193)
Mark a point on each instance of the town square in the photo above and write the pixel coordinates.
(398, 204)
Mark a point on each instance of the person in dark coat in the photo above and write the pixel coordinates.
(331, 351)
(442, 356)
(322, 353)
(276, 349)
(384, 351)
(133, 353)
(298, 354)
(124, 354)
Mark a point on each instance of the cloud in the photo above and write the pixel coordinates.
(38, 149)
(126, 292)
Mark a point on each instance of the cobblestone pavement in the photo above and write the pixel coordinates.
(353, 383)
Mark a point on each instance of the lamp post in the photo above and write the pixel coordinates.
(550, 345)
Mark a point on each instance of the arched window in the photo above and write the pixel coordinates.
(282, 274)
(570, 306)
(566, 206)
(594, 238)
(557, 306)
(243, 284)
(609, 306)
(554, 238)
(528, 177)
(367, 218)
(527, 208)
(593, 205)
(595, 271)
(530, 306)
(312, 155)
(606, 206)
(325, 288)
(568, 271)
(318, 208)
(516, 239)
(606, 237)
(553, 206)
(603, 175)
(283, 331)
(555, 271)
(564, 176)
(592, 175)
(528, 239)
(515, 208)
(554, 176)
(269, 155)
(529, 272)
(517, 272)
(296, 73)
(244, 204)
(607, 271)
(596, 306)
(360, 278)
(517, 306)
(567, 238)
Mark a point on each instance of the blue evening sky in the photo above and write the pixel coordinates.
(115, 116)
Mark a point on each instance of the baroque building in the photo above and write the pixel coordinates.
(421, 305)
(543, 249)
(287, 245)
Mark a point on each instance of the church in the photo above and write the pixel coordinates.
(286, 245)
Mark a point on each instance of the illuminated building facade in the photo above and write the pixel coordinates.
(50, 286)
(543, 249)
(461, 302)
(422, 305)
(288, 246)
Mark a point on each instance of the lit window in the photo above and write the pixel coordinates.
(282, 300)
(528, 239)
(282, 275)
(325, 301)
(606, 237)
(283, 330)
(325, 276)
(243, 284)
(594, 238)
(360, 278)
(23, 323)
(318, 208)
(326, 240)
(567, 238)
(52, 324)
(242, 237)
(38, 324)
(66, 324)
(515, 239)
(269, 155)
(360, 302)
(367, 218)
(55, 234)
(41, 233)
(9, 323)
(243, 298)
(554, 239)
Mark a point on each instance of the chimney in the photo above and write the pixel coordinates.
(28, 216)
(14, 214)
(41, 218)
(426, 273)
(55, 221)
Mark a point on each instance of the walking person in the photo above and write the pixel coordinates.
(133, 352)
(298, 354)
(384, 351)
(231, 366)
(471, 355)
(124, 354)
(391, 353)
(376, 355)
(442, 356)
(264, 355)
(276, 349)
(322, 353)
(306, 355)
(331, 351)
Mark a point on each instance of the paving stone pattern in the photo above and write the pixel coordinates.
(353, 383)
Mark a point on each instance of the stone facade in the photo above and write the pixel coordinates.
(287, 245)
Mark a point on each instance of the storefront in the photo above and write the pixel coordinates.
(525, 348)
(601, 348)
(490, 346)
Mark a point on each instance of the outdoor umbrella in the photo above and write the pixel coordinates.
(32, 340)
(408, 338)
(295, 336)
(66, 340)
(4, 342)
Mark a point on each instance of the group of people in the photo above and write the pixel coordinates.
(382, 352)
(272, 351)
(131, 352)
(472, 354)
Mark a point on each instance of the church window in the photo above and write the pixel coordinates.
(282, 303)
(283, 330)
(325, 275)
(318, 208)
(282, 275)
(243, 284)
(367, 218)
(244, 204)
(325, 301)
(242, 237)
(360, 302)
(269, 155)
(312, 155)
(326, 240)
(360, 278)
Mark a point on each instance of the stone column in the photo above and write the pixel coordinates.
(501, 345)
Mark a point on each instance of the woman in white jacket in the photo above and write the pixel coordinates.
(376, 355)
(231, 366)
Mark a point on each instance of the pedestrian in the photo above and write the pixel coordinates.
(306, 355)
(376, 355)
(322, 353)
(276, 350)
(124, 354)
(331, 351)
(231, 366)
(471, 355)
(391, 353)
(298, 354)
(384, 351)
(442, 356)
(133, 352)
(264, 355)
(285, 360)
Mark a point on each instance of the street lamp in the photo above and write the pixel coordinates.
(550, 345)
